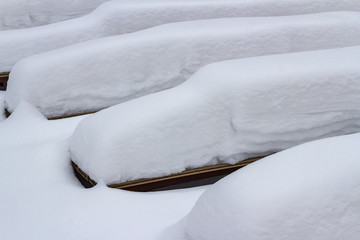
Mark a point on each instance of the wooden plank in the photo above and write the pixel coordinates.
(71, 115)
(8, 113)
(150, 184)
(4, 77)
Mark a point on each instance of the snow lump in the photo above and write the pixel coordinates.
(308, 192)
(100, 73)
(226, 112)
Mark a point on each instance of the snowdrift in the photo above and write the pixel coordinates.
(226, 112)
(307, 192)
(101, 73)
(117, 17)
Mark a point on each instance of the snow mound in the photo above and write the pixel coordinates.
(117, 17)
(24, 112)
(307, 192)
(25, 13)
(101, 73)
(226, 112)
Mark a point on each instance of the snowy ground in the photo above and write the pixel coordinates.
(41, 199)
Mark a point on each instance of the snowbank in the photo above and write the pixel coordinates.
(226, 112)
(25, 13)
(117, 17)
(101, 73)
(307, 192)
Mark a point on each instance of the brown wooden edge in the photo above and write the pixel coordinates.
(85, 180)
(71, 115)
(4, 77)
(8, 113)
(149, 184)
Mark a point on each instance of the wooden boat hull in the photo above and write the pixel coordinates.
(4, 77)
(151, 184)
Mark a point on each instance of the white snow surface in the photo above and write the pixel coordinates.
(41, 199)
(100, 73)
(117, 17)
(226, 112)
(28, 13)
(308, 192)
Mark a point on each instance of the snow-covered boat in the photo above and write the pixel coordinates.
(225, 113)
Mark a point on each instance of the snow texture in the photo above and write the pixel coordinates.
(25, 13)
(41, 199)
(117, 17)
(308, 192)
(101, 73)
(226, 112)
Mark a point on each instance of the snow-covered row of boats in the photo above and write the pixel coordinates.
(193, 94)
